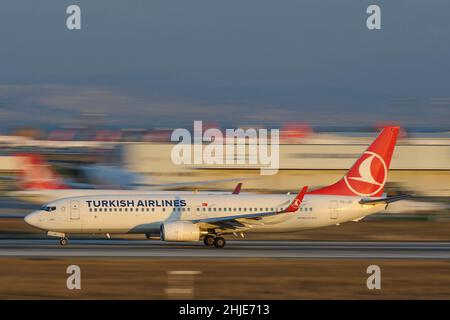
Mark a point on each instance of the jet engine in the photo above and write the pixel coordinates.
(180, 231)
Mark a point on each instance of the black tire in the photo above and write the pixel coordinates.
(208, 240)
(219, 242)
(63, 241)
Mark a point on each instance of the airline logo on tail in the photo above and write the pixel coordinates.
(367, 175)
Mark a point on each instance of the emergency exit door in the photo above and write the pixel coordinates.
(334, 209)
(74, 210)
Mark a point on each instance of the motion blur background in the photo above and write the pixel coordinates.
(99, 104)
(112, 92)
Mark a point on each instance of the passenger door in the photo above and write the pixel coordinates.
(334, 209)
(74, 210)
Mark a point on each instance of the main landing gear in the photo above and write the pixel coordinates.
(208, 240)
(217, 242)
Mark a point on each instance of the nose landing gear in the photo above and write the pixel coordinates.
(62, 237)
(63, 241)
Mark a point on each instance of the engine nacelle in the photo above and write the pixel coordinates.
(180, 231)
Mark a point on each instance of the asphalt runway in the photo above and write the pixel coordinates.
(234, 249)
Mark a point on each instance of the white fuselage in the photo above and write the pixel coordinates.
(41, 196)
(147, 212)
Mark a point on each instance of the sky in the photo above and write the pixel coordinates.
(167, 63)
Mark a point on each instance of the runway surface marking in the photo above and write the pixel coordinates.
(234, 249)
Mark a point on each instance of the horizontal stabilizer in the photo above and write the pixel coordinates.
(386, 200)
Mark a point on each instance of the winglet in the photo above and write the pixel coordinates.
(297, 201)
(237, 190)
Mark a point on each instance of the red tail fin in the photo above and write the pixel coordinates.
(37, 174)
(369, 173)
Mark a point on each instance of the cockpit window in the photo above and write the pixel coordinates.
(48, 208)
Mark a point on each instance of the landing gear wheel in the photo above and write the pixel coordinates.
(63, 241)
(219, 242)
(208, 240)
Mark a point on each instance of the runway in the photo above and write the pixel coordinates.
(234, 249)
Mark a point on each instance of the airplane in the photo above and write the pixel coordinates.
(196, 217)
(38, 183)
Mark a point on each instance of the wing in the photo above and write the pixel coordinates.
(146, 186)
(386, 200)
(246, 220)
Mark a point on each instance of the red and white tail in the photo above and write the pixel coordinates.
(37, 174)
(368, 174)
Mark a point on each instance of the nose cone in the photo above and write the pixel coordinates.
(33, 219)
